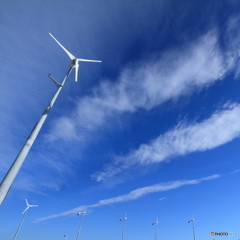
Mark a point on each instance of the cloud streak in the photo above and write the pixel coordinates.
(133, 195)
(222, 127)
(160, 199)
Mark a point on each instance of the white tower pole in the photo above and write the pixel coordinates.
(123, 229)
(15, 236)
(14, 169)
(156, 230)
(193, 230)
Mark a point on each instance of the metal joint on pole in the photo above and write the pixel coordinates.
(55, 81)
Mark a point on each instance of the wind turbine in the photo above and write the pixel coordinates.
(28, 206)
(24, 214)
(75, 61)
(16, 165)
(124, 221)
(192, 220)
(156, 228)
(80, 226)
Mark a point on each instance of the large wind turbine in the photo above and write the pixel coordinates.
(24, 214)
(14, 169)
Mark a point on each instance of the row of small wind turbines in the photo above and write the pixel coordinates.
(123, 226)
(156, 227)
(65, 236)
(81, 222)
(124, 220)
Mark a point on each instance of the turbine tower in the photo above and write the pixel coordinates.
(24, 214)
(123, 226)
(16, 165)
(80, 226)
(156, 228)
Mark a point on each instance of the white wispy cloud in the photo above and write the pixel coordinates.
(232, 37)
(147, 84)
(222, 127)
(162, 198)
(236, 171)
(133, 195)
(40, 185)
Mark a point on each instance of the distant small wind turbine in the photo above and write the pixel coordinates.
(74, 62)
(123, 227)
(28, 206)
(192, 220)
(80, 226)
(156, 228)
(24, 214)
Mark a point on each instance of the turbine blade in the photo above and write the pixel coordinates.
(68, 53)
(87, 60)
(27, 202)
(76, 71)
(25, 210)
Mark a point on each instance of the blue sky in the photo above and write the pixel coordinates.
(152, 131)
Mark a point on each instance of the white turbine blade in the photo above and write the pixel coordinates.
(27, 202)
(87, 60)
(76, 71)
(68, 53)
(33, 205)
